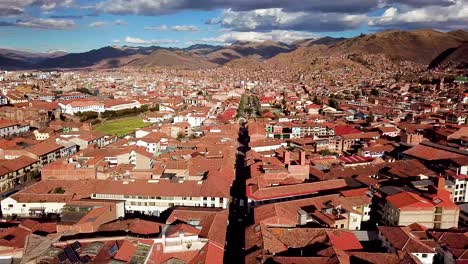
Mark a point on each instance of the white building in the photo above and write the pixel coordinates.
(11, 128)
(74, 107)
(460, 191)
(116, 105)
(149, 197)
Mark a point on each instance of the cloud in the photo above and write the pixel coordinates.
(274, 35)
(421, 3)
(157, 28)
(98, 24)
(158, 7)
(10, 11)
(116, 41)
(45, 23)
(184, 28)
(120, 22)
(18, 7)
(444, 18)
(66, 17)
(139, 41)
(278, 19)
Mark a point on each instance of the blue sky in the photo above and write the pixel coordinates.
(81, 25)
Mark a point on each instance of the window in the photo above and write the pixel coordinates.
(342, 225)
(10, 206)
(424, 255)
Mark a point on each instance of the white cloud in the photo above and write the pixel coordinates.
(157, 28)
(274, 35)
(139, 41)
(46, 23)
(439, 17)
(98, 24)
(17, 7)
(184, 28)
(278, 19)
(120, 22)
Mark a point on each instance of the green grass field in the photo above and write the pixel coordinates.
(119, 127)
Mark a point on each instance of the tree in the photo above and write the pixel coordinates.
(84, 91)
(316, 101)
(370, 117)
(327, 152)
(333, 103)
(180, 136)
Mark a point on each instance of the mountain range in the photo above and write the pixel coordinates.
(427, 47)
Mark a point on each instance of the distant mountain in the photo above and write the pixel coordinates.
(17, 59)
(319, 41)
(161, 58)
(328, 41)
(420, 46)
(257, 50)
(94, 57)
(202, 49)
(452, 57)
(7, 63)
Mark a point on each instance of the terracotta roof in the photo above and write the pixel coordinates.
(345, 130)
(344, 240)
(44, 148)
(135, 226)
(293, 190)
(409, 201)
(429, 153)
(18, 163)
(401, 239)
(7, 123)
(214, 187)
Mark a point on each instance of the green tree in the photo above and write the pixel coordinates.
(370, 117)
(84, 91)
(316, 101)
(333, 103)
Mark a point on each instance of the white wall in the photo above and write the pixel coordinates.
(425, 258)
(22, 209)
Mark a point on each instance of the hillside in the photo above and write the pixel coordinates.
(17, 59)
(453, 57)
(202, 49)
(95, 57)
(257, 50)
(319, 41)
(161, 58)
(420, 46)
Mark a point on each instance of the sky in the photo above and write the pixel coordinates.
(82, 25)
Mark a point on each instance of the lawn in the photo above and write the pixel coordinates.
(119, 127)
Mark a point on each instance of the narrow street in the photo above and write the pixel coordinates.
(237, 213)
